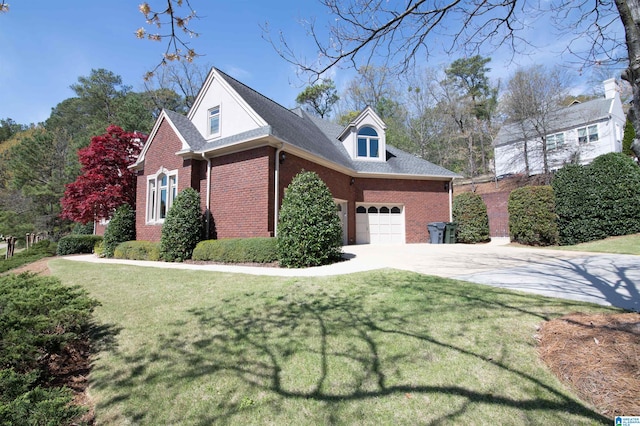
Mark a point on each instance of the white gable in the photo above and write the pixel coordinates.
(349, 136)
(235, 115)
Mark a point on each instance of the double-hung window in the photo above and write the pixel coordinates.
(555, 141)
(368, 143)
(588, 134)
(214, 121)
(162, 189)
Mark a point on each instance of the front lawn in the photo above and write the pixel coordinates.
(382, 347)
(627, 244)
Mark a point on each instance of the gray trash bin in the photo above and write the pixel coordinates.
(436, 232)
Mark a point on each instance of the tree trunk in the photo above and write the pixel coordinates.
(629, 11)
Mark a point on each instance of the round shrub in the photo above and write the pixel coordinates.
(532, 216)
(121, 228)
(470, 214)
(309, 230)
(182, 227)
(75, 244)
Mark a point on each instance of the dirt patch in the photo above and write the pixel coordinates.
(598, 356)
(39, 267)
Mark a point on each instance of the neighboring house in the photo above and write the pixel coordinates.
(240, 150)
(577, 134)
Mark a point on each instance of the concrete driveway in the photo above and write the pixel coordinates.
(612, 280)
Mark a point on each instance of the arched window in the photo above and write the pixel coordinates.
(162, 189)
(368, 143)
(361, 209)
(373, 210)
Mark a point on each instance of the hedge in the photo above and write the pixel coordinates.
(75, 244)
(599, 200)
(138, 250)
(532, 217)
(237, 250)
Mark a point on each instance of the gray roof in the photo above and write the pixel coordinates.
(566, 118)
(309, 133)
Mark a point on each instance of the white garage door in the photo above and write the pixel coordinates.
(379, 224)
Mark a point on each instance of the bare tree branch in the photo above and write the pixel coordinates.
(177, 47)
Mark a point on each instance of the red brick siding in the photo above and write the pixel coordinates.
(424, 202)
(240, 194)
(162, 153)
(498, 213)
(100, 228)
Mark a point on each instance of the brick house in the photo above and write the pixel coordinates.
(240, 150)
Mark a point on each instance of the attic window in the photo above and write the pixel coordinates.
(214, 121)
(368, 143)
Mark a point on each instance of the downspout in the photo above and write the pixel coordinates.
(451, 200)
(208, 198)
(276, 191)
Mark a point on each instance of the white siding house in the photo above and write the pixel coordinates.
(578, 133)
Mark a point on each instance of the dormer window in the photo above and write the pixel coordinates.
(368, 143)
(214, 121)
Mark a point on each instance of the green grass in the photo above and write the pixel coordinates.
(384, 347)
(628, 244)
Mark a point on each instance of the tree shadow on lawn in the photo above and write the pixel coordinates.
(399, 335)
(597, 279)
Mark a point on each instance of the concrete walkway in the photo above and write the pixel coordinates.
(612, 280)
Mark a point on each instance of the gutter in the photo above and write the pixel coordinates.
(451, 200)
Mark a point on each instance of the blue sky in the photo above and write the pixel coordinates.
(47, 45)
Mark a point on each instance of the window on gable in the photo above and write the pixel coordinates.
(368, 143)
(162, 189)
(214, 121)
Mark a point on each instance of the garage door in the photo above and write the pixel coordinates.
(379, 224)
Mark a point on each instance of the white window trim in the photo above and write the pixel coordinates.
(368, 157)
(152, 215)
(216, 134)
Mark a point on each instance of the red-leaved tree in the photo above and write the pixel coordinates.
(105, 182)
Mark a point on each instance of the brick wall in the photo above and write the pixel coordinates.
(424, 201)
(162, 153)
(498, 214)
(241, 204)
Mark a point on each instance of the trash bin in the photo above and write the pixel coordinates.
(436, 232)
(450, 232)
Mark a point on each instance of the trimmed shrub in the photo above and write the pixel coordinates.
(532, 217)
(470, 215)
(121, 228)
(237, 250)
(75, 244)
(599, 200)
(627, 139)
(309, 230)
(182, 227)
(138, 250)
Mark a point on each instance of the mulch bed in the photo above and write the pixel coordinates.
(597, 355)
